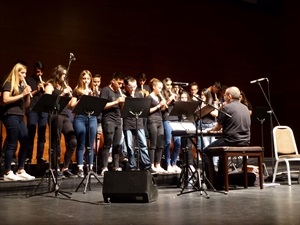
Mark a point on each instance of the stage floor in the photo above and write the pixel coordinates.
(275, 204)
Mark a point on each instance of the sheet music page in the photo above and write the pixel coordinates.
(188, 126)
(176, 126)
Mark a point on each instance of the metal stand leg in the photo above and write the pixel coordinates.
(87, 184)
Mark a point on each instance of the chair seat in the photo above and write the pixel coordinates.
(235, 148)
(296, 157)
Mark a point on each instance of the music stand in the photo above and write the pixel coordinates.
(187, 109)
(49, 103)
(89, 105)
(260, 113)
(136, 108)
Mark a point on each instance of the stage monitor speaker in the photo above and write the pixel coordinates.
(129, 186)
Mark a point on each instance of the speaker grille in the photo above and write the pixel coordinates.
(129, 186)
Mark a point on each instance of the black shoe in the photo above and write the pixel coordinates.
(27, 161)
(41, 160)
(14, 162)
(60, 175)
(69, 174)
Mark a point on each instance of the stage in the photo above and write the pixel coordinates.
(275, 204)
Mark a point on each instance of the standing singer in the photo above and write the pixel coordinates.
(170, 157)
(16, 98)
(61, 122)
(80, 123)
(155, 125)
(112, 121)
(36, 118)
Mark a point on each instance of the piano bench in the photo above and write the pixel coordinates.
(229, 151)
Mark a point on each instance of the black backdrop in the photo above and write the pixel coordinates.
(204, 41)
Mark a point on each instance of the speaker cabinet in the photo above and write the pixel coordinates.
(129, 186)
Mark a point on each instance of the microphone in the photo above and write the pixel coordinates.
(180, 83)
(72, 56)
(258, 80)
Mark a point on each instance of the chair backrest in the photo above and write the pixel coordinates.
(284, 141)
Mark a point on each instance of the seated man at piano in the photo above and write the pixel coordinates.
(234, 122)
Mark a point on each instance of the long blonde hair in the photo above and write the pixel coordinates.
(80, 85)
(14, 78)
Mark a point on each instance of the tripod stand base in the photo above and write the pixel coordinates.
(190, 178)
(87, 184)
(49, 174)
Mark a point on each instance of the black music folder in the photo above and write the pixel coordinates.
(90, 105)
(47, 103)
(136, 107)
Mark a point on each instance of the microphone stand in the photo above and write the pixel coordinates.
(69, 64)
(271, 112)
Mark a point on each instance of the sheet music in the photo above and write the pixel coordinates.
(187, 127)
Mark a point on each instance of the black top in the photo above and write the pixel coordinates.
(155, 116)
(33, 83)
(236, 129)
(166, 113)
(145, 86)
(113, 114)
(129, 123)
(17, 107)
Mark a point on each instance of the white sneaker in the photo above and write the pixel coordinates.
(160, 170)
(103, 171)
(176, 169)
(10, 176)
(110, 159)
(154, 168)
(25, 175)
(170, 169)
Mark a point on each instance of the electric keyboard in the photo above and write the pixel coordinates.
(199, 133)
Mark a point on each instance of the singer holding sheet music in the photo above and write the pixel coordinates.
(16, 97)
(61, 122)
(80, 123)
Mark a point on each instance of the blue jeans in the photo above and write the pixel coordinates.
(33, 119)
(16, 130)
(142, 144)
(81, 129)
(171, 159)
(209, 139)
